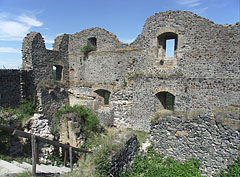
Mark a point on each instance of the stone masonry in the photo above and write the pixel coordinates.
(128, 85)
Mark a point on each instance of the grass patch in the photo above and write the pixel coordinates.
(153, 164)
(141, 135)
(233, 170)
(24, 111)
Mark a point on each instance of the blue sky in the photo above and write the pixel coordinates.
(125, 18)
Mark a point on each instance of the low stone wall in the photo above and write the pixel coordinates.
(204, 138)
(125, 156)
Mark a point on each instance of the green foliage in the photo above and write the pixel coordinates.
(86, 49)
(92, 124)
(55, 160)
(232, 171)
(152, 164)
(24, 111)
(124, 83)
(27, 107)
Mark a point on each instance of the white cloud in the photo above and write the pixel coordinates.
(13, 29)
(9, 50)
(16, 27)
(30, 21)
(10, 65)
(128, 41)
(189, 3)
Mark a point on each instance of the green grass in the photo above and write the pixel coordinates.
(25, 110)
(233, 170)
(153, 164)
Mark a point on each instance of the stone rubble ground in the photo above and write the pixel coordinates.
(7, 168)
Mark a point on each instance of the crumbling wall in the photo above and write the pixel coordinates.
(202, 74)
(204, 49)
(51, 99)
(15, 85)
(105, 40)
(204, 137)
(40, 60)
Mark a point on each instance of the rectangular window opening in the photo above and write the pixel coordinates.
(170, 46)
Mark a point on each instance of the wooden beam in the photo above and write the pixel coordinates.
(54, 143)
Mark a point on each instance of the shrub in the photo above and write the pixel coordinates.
(86, 49)
(92, 124)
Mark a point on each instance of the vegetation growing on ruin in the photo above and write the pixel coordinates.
(92, 125)
(86, 49)
(24, 111)
(153, 164)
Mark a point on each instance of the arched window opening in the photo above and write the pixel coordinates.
(167, 100)
(57, 72)
(104, 96)
(167, 45)
(92, 42)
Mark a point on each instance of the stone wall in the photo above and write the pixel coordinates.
(15, 85)
(124, 158)
(110, 67)
(41, 61)
(51, 99)
(202, 74)
(205, 137)
(204, 49)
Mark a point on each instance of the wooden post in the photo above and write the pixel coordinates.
(37, 152)
(65, 157)
(85, 156)
(34, 155)
(70, 155)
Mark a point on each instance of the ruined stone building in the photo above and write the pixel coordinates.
(127, 85)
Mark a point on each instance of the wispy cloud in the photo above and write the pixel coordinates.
(9, 50)
(200, 11)
(189, 3)
(14, 27)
